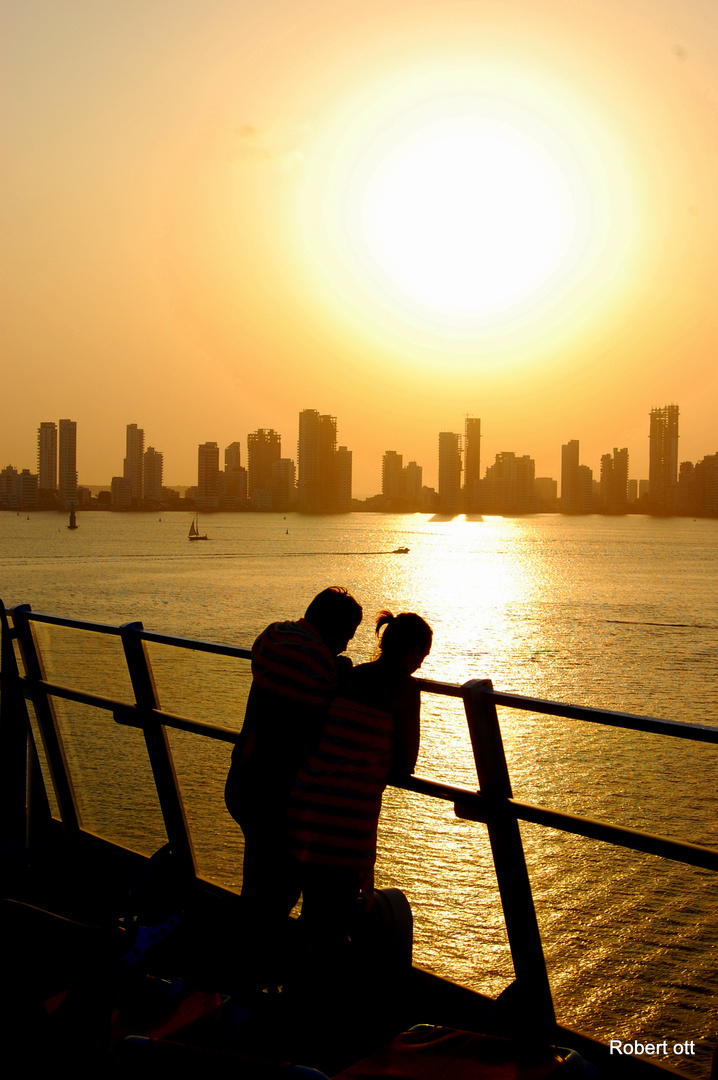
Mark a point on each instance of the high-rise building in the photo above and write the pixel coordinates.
(67, 464)
(133, 465)
(264, 448)
(233, 457)
(614, 481)
(234, 481)
(663, 458)
(707, 485)
(344, 480)
(393, 478)
(120, 493)
(686, 489)
(697, 489)
(449, 472)
(586, 490)
(18, 490)
(509, 484)
(152, 476)
(208, 475)
(414, 480)
(472, 463)
(318, 474)
(284, 485)
(47, 456)
(570, 488)
(546, 490)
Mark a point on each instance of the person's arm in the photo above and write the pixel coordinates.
(406, 730)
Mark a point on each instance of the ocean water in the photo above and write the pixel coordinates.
(619, 613)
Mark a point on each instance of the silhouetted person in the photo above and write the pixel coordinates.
(294, 669)
(372, 733)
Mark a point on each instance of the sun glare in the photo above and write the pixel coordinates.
(467, 217)
(465, 204)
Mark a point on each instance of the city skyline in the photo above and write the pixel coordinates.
(320, 480)
(265, 443)
(184, 235)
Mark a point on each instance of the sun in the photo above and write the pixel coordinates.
(467, 217)
(465, 205)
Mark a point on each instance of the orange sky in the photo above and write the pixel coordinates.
(182, 250)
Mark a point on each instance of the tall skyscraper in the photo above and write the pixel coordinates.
(570, 483)
(344, 480)
(614, 481)
(233, 457)
(663, 458)
(706, 473)
(414, 479)
(284, 486)
(234, 481)
(393, 479)
(152, 475)
(585, 489)
(67, 464)
(264, 447)
(133, 464)
(472, 463)
(449, 472)
(47, 456)
(509, 484)
(318, 468)
(208, 475)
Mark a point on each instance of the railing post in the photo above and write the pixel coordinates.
(14, 728)
(508, 853)
(158, 748)
(46, 722)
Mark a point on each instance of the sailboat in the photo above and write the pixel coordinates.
(194, 530)
(73, 520)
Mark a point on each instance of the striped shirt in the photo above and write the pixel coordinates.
(334, 807)
(289, 659)
(294, 679)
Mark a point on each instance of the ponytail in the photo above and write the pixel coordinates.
(399, 634)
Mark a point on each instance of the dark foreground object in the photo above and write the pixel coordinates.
(115, 970)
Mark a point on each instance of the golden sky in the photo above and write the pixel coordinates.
(218, 214)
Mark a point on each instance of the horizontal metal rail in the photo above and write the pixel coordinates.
(677, 728)
(72, 624)
(608, 717)
(469, 805)
(618, 835)
(194, 644)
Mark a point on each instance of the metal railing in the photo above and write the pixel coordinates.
(493, 804)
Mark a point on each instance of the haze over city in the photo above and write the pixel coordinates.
(219, 215)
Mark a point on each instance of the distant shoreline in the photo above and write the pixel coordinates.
(359, 509)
